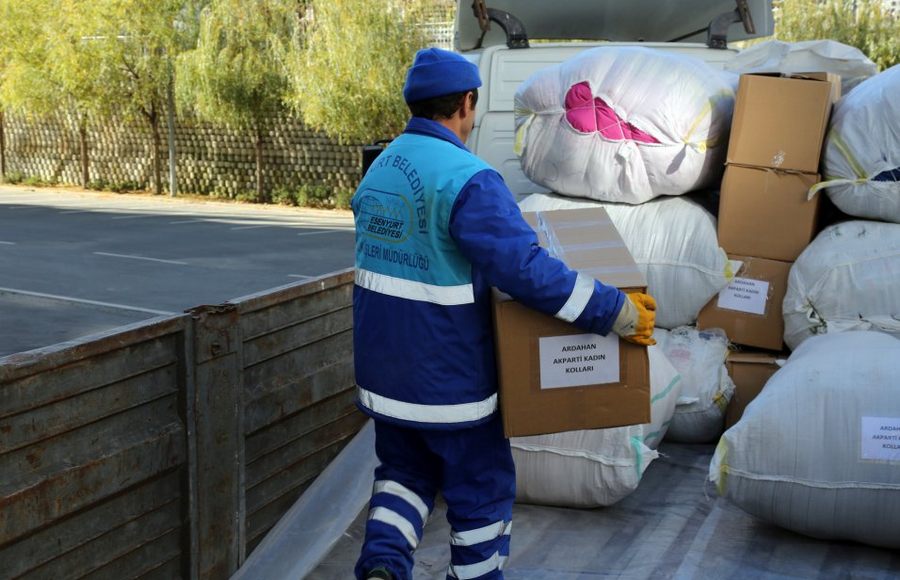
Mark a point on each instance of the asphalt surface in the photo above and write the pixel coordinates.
(74, 263)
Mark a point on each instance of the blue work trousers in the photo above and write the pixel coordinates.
(472, 468)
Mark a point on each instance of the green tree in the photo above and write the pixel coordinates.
(137, 40)
(94, 58)
(236, 75)
(865, 24)
(49, 65)
(347, 78)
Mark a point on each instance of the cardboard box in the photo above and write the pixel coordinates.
(554, 377)
(833, 78)
(766, 214)
(750, 371)
(749, 309)
(780, 122)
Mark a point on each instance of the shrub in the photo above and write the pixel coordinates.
(342, 199)
(99, 184)
(15, 177)
(33, 181)
(284, 196)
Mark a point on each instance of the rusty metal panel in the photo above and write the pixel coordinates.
(297, 395)
(128, 540)
(293, 367)
(171, 570)
(293, 427)
(296, 336)
(299, 391)
(217, 427)
(55, 357)
(292, 292)
(138, 563)
(93, 452)
(296, 311)
(51, 481)
(74, 533)
(273, 464)
(273, 498)
(292, 475)
(23, 393)
(45, 422)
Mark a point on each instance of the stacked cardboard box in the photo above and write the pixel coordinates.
(765, 216)
(554, 377)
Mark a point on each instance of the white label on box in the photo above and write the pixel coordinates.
(578, 360)
(881, 438)
(745, 295)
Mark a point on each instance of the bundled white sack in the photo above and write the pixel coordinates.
(807, 56)
(818, 451)
(624, 124)
(848, 278)
(596, 467)
(674, 243)
(862, 150)
(699, 357)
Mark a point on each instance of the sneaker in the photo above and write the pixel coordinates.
(379, 573)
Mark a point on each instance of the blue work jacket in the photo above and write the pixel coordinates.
(436, 228)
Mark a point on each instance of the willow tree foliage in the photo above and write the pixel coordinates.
(51, 64)
(348, 70)
(236, 76)
(139, 40)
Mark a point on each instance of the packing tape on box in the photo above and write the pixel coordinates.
(556, 249)
(553, 246)
(600, 270)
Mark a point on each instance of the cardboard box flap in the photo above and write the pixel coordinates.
(833, 78)
(587, 241)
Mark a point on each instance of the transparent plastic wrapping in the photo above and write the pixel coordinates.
(674, 243)
(309, 530)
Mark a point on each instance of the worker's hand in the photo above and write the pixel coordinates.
(636, 319)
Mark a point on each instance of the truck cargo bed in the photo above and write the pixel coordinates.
(673, 526)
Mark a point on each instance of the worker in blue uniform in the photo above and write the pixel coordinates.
(436, 228)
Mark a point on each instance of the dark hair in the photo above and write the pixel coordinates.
(441, 107)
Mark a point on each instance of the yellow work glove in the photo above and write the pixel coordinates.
(636, 319)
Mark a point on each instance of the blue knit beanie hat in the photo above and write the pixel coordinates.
(436, 72)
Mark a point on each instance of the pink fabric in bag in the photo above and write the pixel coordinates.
(587, 114)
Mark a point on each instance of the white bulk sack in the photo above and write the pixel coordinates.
(862, 150)
(601, 466)
(807, 56)
(699, 357)
(674, 242)
(818, 451)
(680, 102)
(848, 278)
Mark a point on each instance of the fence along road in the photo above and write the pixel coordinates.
(75, 263)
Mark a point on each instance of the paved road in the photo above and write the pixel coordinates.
(74, 263)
